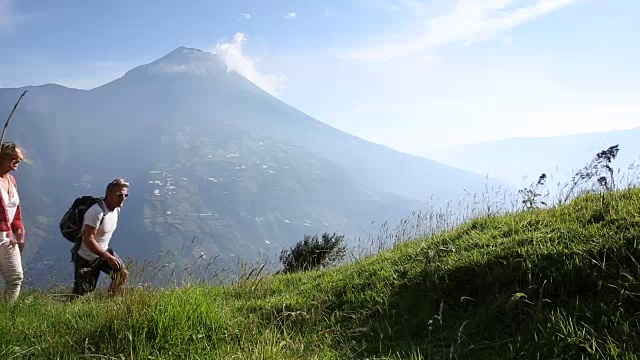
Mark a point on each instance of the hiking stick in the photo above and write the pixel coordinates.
(10, 115)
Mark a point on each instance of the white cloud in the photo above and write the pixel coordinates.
(233, 55)
(467, 22)
(507, 41)
(290, 15)
(7, 13)
(412, 7)
(417, 8)
(10, 17)
(246, 16)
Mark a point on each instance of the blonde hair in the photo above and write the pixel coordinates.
(11, 149)
(120, 182)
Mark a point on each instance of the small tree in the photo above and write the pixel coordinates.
(313, 253)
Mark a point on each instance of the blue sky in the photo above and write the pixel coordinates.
(410, 74)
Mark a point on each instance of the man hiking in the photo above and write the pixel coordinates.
(94, 254)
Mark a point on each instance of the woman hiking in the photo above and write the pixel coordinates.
(11, 227)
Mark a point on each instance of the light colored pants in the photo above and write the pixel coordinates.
(11, 269)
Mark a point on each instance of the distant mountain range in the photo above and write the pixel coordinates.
(210, 156)
(514, 159)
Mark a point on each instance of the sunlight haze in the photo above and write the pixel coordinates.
(412, 75)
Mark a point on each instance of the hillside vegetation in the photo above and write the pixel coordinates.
(557, 283)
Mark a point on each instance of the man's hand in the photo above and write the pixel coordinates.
(113, 261)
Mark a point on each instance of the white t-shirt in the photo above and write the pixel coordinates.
(11, 205)
(103, 235)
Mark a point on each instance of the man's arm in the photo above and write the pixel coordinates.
(92, 219)
(89, 239)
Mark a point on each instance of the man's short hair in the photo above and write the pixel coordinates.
(120, 182)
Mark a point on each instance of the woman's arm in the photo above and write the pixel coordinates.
(17, 226)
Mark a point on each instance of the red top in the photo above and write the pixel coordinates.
(16, 224)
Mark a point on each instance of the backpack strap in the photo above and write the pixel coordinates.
(103, 206)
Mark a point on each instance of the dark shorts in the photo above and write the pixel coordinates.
(87, 272)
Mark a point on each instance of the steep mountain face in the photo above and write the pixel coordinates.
(210, 156)
(199, 85)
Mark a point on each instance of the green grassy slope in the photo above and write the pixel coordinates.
(560, 283)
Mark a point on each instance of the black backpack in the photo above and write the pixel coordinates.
(72, 221)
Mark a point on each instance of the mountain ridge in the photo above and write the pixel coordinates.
(299, 127)
(530, 156)
(211, 155)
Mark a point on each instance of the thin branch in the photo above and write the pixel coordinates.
(10, 115)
